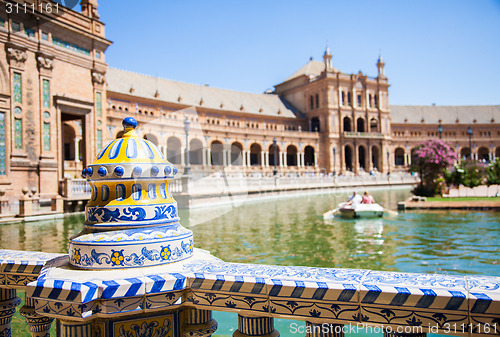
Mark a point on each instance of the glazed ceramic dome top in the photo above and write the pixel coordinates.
(131, 219)
(115, 159)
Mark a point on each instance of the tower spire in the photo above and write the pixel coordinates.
(327, 58)
(380, 66)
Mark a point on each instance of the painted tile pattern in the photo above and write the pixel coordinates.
(3, 163)
(46, 93)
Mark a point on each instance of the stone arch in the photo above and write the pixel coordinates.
(217, 153)
(399, 157)
(152, 138)
(465, 152)
(4, 80)
(195, 152)
(309, 154)
(255, 154)
(69, 138)
(174, 150)
(271, 155)
(362, 153)
(483, 154)
(347, 124)
(236, 153)
(291, 155)
(373, 125)
(348, 157)
(360, 124)
(375, 157)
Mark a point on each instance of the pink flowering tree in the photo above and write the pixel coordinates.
(430, 160)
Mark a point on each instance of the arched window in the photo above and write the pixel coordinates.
(236, 154)
(195, 152)
(360, 125)
(291, 155)
(347, 124)
(399, 157)
(216, 149)
(315, 124)
(309, 156)
(373, 125)
(174, 150)
(255, 154)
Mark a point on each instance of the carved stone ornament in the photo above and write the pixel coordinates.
(98, 77)
(16, 55)
(45, 62)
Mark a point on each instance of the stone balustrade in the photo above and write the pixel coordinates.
(96, 301)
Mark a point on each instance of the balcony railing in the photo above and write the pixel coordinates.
(371, 135)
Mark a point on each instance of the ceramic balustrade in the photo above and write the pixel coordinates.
(203, 283)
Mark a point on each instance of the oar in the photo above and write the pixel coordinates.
(330, 213)
(391, 213)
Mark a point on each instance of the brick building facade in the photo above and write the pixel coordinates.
(60, 103)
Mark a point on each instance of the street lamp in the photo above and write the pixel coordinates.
(388, 164)
(334, 160)
(275, 171)
(187, 124)
(440, 130)
(469, 132)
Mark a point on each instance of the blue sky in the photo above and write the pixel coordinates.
(445, 52)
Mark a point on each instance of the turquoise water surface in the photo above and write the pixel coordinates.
(291, 231)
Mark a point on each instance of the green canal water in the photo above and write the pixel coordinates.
(291, 231)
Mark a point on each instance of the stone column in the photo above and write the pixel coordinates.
(255, 326)
(355, 166)
(8, 303)
(302, 160)
(77, 149)
(315, 159)
(228, 155)
(199, 323)
(39, 325)
(209, 157)
(262, 159)
(204, 157)
(324, 330)
(282, 162)
(75, 329)
(370, 163)
(244, 158)
(298, 160)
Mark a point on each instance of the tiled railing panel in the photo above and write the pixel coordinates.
(436, 302)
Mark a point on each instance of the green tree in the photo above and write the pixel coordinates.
(493, 173)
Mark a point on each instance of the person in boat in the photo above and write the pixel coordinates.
(368, 198)
(354, 199)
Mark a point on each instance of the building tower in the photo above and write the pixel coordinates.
(89, 8)
(327, 58)
(380, 66)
